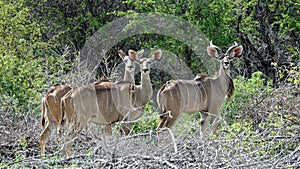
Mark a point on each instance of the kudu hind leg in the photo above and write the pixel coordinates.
(126, 128)
(69, 140)
(162, 122)
(166, 119)
(61, 132)
(171, 118)
(45, 135)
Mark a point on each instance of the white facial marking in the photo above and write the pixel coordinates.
(129, 64)
(145, 64)
(225, 61)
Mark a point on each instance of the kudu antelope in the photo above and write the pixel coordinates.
(203, 94)
(142, 93)
(106, 104)
(52, 117)
(129, 61)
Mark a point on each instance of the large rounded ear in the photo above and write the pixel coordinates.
(212, 52)
(132, 54)
(157, 54)
(121, 53)
(237, 52)
(140, 54)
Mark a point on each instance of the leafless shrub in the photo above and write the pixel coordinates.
(273, 146)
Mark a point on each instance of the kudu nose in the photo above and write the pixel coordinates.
(130, 67)
(145, 70)
(226, 65)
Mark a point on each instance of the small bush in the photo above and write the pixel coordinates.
(247, 93)
(147, 122)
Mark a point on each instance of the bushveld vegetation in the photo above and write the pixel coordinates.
(40, 44)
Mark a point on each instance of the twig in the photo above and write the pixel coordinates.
(169, 164)
(173, 138)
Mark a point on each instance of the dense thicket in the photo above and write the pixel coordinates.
(37, 37)
(34, 36)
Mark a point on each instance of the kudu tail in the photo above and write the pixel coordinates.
(44, 104)
(161, 102)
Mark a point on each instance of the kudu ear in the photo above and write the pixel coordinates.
(237, 52)
(140, 54)
(121, 53)
(157, 54)
(212, 52)
(132, 54)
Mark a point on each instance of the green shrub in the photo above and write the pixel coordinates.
(265, 126)
(246, 94)
(147, 122)
(20, 81)
(28, 64)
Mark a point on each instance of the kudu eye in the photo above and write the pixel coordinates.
(222, 57)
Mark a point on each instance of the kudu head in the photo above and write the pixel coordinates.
(130, 59)
(216, 53)
(145, 63)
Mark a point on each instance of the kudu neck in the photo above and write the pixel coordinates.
(129, 76)
(222, 78)
(144, 90)
(145, 81)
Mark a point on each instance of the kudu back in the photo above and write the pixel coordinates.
(203, 94)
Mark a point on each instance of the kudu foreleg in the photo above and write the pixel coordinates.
(107, 130)
(71, 135)
(214, 123)
(209, 122)
(204, 123)
(126, 128)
